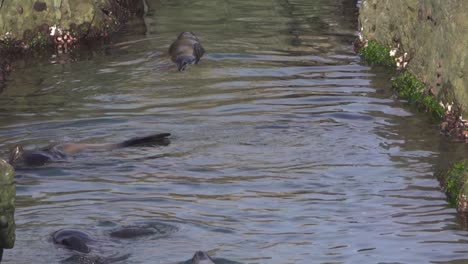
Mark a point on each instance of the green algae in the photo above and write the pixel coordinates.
(405, 84)
(40, 41)
(454, 181)
(377, 54)
(410, 88)
(7, 205)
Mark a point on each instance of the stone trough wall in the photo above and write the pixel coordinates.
(30, 21)
(434, 33)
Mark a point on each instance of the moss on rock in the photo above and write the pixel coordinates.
(410, 88)
(406, 84)
(30, 25)
(40, 41)
(454, 183)
(377, 54)
(7, 205)
(433, 32)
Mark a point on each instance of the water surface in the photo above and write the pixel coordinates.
(286, 148)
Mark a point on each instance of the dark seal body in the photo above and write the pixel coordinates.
(186, 49)
(132, 232)
(153, 229)
(91, 259)
(19, 156)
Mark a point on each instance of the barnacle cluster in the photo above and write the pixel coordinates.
(453, 124)
(63, 39)
(401, 57)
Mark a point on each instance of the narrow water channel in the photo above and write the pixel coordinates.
(285, 147)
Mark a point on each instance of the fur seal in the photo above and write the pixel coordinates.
(202, 257)
(186, 49)
(90, 259)
(155, 229)
(132, 232)
(72, 240)
(19, 156)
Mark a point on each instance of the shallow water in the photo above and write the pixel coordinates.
(286, 148)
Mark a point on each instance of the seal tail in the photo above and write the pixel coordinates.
(156, 139)
(183, 61)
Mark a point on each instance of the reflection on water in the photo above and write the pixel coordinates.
(285, 148)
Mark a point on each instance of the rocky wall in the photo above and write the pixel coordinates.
(426, 41)
(32, 24)
(433, 33)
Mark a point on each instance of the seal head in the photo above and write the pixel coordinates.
(185, 50)
(16, 154)
(73, 240)
(19, 156)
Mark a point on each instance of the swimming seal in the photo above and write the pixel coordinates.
(72, 239)
(202, 257)
(186, 49)
(19, 156)
(154, 229)
(90, 259)
(132, 232)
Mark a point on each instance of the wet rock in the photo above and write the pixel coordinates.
(3, 221)
(454, 181)
(62, 14)
(7, 205)
(40, 6)
(424, 27)
(453, 125)
(19, 9)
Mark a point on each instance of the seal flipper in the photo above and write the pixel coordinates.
(156, 139)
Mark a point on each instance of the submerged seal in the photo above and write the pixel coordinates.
(72, 239)
(202, 257)
(186, 49)
(42, 156)
(132, 232)
(154, 229)
(90, 259)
